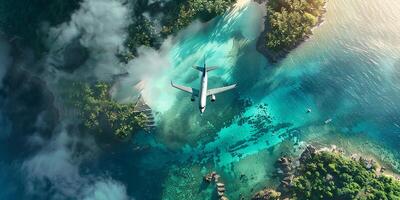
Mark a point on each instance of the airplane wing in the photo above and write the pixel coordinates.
(190, 90)
(220, 90)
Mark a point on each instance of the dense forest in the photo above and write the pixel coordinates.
(333, 176)
(100, 113)
(289, 21)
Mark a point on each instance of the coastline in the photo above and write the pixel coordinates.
(357, 144)
(289, 168)
(382, 168)
(276, 56)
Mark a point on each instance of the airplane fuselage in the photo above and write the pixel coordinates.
(203, 91)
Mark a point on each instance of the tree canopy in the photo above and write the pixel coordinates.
(187, 11)
(290, 21)
(101, 114)
(333, 176)
(175, 15)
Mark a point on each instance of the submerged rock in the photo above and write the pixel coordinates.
(266, 194)
(382, 169)
(220, 187)
(224, 198)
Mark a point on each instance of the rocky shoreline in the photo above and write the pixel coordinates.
(287, 169)
(276, 56)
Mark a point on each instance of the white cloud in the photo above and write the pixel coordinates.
(100, 26)
(106, 190)
(153, 69)
(54, 164)
(54, 172)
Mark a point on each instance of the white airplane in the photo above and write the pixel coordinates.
(203, 93)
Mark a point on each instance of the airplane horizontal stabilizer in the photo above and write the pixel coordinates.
(202, 68)
(211, 68)
(198, 68)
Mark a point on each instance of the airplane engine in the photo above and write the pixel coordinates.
(192, 99)
(213, 98)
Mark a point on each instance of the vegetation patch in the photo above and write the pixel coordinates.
(290, 21)
(331, 175)
(101, 114)
(176, 15)
(187, 11)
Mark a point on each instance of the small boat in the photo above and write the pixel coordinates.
(328, 121)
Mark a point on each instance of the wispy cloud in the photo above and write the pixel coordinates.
(55, 171)
(106, 190)
(99, 26)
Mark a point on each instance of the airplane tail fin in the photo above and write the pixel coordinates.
(207, 69)
(202, 68)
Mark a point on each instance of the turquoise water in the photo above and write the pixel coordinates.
(347, 72)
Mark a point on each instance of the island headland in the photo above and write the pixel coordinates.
(288, 23)
(327, 173)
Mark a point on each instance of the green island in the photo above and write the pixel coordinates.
(102, 114)
(331, 175)
(288, 23)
